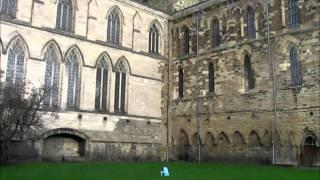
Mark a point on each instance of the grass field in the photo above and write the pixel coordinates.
(150, 171)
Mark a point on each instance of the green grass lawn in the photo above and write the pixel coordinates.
(150, 171)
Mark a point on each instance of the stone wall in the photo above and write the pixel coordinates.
(135, 131)
(237, 123)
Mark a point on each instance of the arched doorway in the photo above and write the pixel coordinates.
(64, 145)
(310, 150)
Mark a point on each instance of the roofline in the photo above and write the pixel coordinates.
(195, 8)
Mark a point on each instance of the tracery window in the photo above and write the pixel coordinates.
(102, 84)
(154, 39)
(248, 74)
(296, 77)
(16, 60)
(65, 15)
(52, 77)
(293, 13)
(211, 77)
(181, 82)
(215, 33)
(8, 8)
(73, 74)
(114, 27)
(120, 88)
(251, 29)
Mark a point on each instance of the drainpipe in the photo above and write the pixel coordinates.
(168, 88)
(197, 86)
(274, 93)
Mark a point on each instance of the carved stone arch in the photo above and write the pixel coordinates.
(183, 145)
(310, 148)
(287, 43)
(195, 138)
(108, 60)
(223, 138)
(118, 10)
(137, 21)
(210, 140)
(158, 25)
(17, 38)
(310, 138)
(267, 139)
(238, 139)
(55, 45)
(183, 139)
(278, 138)
(254, 140)
(53, 143)
(214, 17)
(184, 26)
(74, 3)
(64, 131)
(123, 63)
(76, 49)
(291, 138)
(245, 51)
(255, 4)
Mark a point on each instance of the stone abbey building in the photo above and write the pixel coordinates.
(209, 80)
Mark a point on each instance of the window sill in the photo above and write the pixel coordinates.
(119, 113)
(102, 111)
(7, 17)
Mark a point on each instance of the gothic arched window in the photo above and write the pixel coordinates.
(8, 8)
(65, 15)
(52, 77)
(293, 13)
(181, 83)
(248, 74)
(215, 33)
(211, 77)
(120, 88)
(154, 39)
(114, 27)
(73, 74)
(185, 41)
(251, 29)
(296, 77)
(102, 84)
(16, 60)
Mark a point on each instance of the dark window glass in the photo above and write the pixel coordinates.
(215, 33)
(52, 77)
(181, 78)
(65, 15)
(15, 63)
(293, 13)
(8, 8)
(248, 74)
(101, 84)
(185, 41)
(251, 29)
(113, 29)
(211, 77)
(120, 88)
(296, 76)
(154, 39)
(73, 71)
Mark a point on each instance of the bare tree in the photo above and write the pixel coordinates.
(20, 113)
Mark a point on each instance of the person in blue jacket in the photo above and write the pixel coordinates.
(164, 171)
